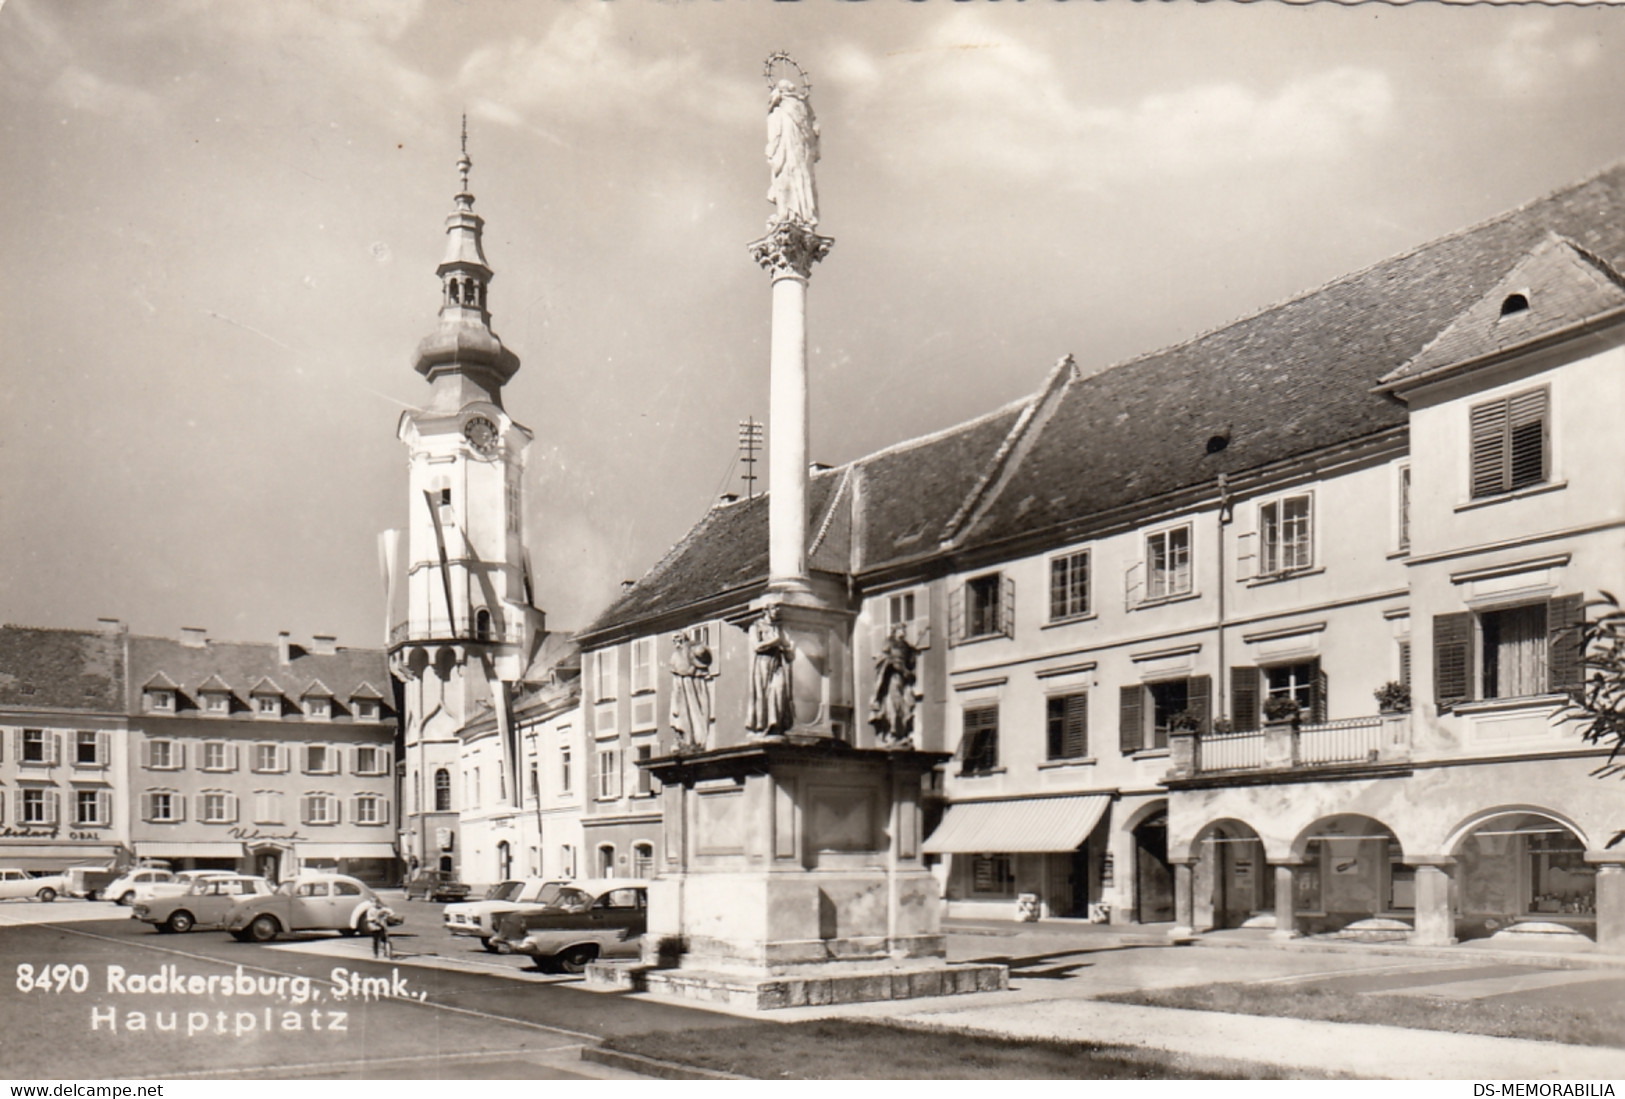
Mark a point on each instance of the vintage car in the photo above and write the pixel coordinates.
(123, 890)
(478, 918)
(206, 904)
(181, 883)
(435, 885)
(20, 885)
(309, 902)
(600, 917)
(88, 881)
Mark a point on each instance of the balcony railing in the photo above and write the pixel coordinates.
(1375, 739)
(445, 632)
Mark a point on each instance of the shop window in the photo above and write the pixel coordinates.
(992, 876)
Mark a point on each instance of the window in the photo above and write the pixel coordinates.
(502, 785)
(442, 791)
(473, 779)
(992, 876)
(1168, 563)
(567, 861)
(219, 807)
(643, 665)
(1523, 650)
(513, 499)
(319, 709)
(606, 861)
(92, 808)
(163, 806)
(1149, 712)
(36, 746)
(643, 860)
(267, 758)
(1509, 443)
(164, 755)
(1404, 507)
(161, 700)
(268, 705)
(564, 768)
(984, 606)
(1069, 586)
(216, 702)
(218, 756)
(1303, 683)
(609, 779)
(1514, 651)
(267, 807)
(89, 749)
(321, 759)
(39, 806)
(370, 760)
(1284, 530)
(644, 779)
(365, 709)
(1296, 682)
(979, 745)
(900, 609)
(604, 675)
(321, 809)
(1068, 726)
(370, 809)
(535, 781)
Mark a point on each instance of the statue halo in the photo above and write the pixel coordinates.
(781, 66)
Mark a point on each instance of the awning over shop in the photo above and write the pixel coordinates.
(198, 850)
(55, 856)
(345, 850)
(1020, 824)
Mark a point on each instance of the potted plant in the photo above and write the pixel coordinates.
(1393, 697)
(1185, 721)
(1222, 726)
(1281, 710)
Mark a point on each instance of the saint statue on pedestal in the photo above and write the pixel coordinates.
(691, 692)
(891, 708)
(792, 150)
(772, 708)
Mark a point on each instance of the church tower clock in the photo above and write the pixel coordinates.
(463, 627)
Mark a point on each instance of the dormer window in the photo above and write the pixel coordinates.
(217, 703)
(268, 706)
(1514, 303)
(366, 710)
(161, 700)
(318, 709)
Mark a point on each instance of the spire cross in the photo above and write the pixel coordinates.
(463, 162)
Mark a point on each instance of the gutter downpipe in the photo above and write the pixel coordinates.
(1226, 514)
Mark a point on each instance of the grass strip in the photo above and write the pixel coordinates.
(1545, 1022)
(844, 1049)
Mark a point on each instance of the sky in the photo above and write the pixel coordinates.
(221, 223)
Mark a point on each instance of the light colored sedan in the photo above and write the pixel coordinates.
(123, 890)
(20, 885)
(478, 918)
(206, 905)
(178, 885)
(309, 902)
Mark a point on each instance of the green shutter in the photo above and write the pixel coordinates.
(1131, 717)
(1199, 700)
(1318, 705)
(1452, 658)
(1244, 698)
(1565, 625)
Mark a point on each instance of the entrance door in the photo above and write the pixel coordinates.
(1153, 878)
(268, 865)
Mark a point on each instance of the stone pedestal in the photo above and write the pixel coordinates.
(1184, 929)
(1286, 915)
(793, 876)
(1435, 922)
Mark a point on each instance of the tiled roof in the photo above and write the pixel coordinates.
(213, 683)
(160, 681)
(349, 673)
(315, 689)
(61, 669)
(1558, 285)
(1295, 378)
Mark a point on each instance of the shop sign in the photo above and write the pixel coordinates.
(35, 832)
(251, 835)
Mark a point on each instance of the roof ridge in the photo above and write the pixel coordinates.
(829, 512)
(942, 433)
(1309, 292)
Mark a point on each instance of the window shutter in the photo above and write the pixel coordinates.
(1199, 700)
(956, 615)
(53, 749)
(1247, 556)
(104, 807)
(1452, 658)
(146, 754)
(355, 809)
(231, 757)
(146, 806)
(1319, 706)
(1489, 429)
(104, 749)
(1076, 741)
(233, 808)
(284, 756)
(53, 805)
(1244, 692)
(1131, 718)
(1133, 585)
(334, 810)
(304, 809)
(388, 756)
(2, 802)
(1007, 608)
(17, 743)
(1526, 439)
(178, 754)
(1565, 623)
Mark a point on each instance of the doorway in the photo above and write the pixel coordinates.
(1153, 877)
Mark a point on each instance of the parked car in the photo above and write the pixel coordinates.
(206, 904)
(20, 884)
(88, 881)
(309, 902)
(123, 890)
(600, 917)
(181, 883)
(478, 918)
(435, 885)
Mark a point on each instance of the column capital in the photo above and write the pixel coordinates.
(1289, 861)
(789, 250)
(1602, 859)
(1439, 862)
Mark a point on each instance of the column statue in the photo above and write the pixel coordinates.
(772, 708)
(691, 692)
(891, 707)
(792, 150)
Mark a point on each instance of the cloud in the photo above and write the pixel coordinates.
(1530, 55)
(982, 103)
(582, 61)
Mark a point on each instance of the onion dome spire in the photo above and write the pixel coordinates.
(464, 359)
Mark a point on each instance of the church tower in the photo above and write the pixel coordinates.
(463, 627)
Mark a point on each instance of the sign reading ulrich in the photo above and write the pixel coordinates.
(250, 835)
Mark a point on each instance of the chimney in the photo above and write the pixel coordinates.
(626, 585)
(728, 498)
(324, 644)
(283, 656)
(110, 625)
(194, 637)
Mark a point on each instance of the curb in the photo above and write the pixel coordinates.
(652, 1067)
(1449, 953)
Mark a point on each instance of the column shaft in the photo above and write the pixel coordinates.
(1435, 923)
(1286, 916)
(1611, 907)
(1184, 906)
(787, 434)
